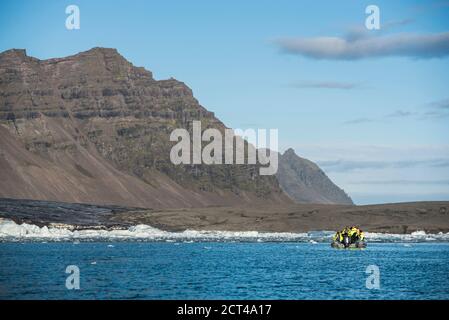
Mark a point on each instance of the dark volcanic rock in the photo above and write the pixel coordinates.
(44, 213)
(305, 182)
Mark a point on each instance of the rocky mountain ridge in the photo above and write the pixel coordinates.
(93, 128)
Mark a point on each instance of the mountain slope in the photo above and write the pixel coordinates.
(305, 182)
(94, 128)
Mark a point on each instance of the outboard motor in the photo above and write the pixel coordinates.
(346, 241)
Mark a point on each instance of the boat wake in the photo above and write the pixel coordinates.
(10, 231)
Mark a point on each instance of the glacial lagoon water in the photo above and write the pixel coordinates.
(186, 269)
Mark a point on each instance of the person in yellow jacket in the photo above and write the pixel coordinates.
(361, 235)
(352, 231)
(338, 237)
(354, 234)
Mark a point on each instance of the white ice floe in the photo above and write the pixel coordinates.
(10, 231)
(417, 236)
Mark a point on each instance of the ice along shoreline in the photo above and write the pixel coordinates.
(11, 231)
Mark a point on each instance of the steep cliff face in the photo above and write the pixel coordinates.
(94, 128)
(305, 182)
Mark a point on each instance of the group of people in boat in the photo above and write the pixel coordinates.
(353, 233)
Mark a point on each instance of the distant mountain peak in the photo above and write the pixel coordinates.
(289, 151)
(305, 182)
(17, 52)
(101, 52)
(103, 49)
(13, 56)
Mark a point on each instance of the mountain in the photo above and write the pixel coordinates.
(305, 182)
(93, 128)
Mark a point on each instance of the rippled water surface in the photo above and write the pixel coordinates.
(232, 270)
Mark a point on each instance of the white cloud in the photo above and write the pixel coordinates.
(353, 47)
(325, 85)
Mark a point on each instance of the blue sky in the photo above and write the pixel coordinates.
(377, 124)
